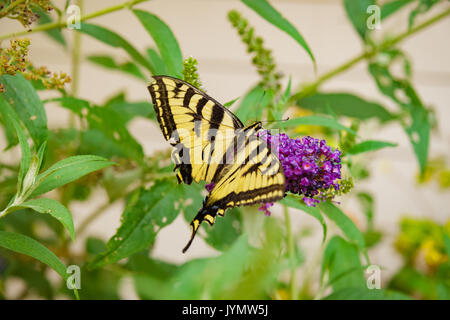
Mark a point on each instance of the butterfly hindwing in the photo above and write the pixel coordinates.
(255, 176)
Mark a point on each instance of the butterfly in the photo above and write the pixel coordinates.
(211, 144)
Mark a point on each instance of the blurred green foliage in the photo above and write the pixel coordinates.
(255, 257)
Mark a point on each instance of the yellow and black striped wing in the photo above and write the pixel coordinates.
(255, 176)
(199, 127)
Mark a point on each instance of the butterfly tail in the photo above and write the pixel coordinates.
(207, 214)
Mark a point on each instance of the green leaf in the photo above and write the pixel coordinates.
(55, 209)
(109, 63)
(12, 119)
(113, 39)
(315, 121)
(225, 231)
(370, 145)
(149, 274)
(8, 127)
(131, 110)
(366, 294)
(159, 66)
(146, 213)
(23, 98)
(345, 104)
(269, 13)
(228, 270)
(341, 260)
(423, 6)
(230, 103)
(113, 126)
(417, 125)
(411, 281)
(351, 232)
(253, 104)
(55, 33)
(391, 7)
(73, 104)
(68, 170)
(357, 13)
(25, 245)
(296, 202)
(165, 41)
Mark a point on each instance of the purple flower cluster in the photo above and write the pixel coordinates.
(310, 166)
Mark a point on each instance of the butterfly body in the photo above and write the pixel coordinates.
(212, 144)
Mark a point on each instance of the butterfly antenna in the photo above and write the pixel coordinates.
(276, 120)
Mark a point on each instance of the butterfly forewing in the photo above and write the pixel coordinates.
(200, 127)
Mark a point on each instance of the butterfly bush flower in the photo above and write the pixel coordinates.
(311, 167)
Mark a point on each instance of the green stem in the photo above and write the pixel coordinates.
(62, 24)
(291, 252)
(6, 10)
(312, 87)
(76, 57)
(75, 292)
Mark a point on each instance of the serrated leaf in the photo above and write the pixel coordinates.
(370, 145)
(55, 209)
(68, 170)
(147, 212)
(270, 14)
(113, 39)
(315, 121)
(345, 104)
(22, 244)
(23, 98)
(165, 41)
(295, 202)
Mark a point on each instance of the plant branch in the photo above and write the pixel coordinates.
(312, 87)
(291, 253)
(63, 24)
